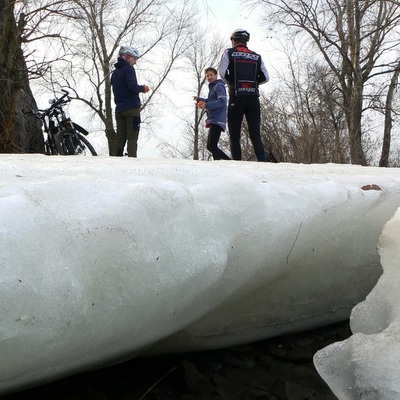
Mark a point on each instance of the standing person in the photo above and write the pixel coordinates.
(244, 71)
(215, 107)
(126, 96)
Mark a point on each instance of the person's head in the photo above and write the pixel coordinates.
(129, 54)
(240, 36)
(211, 74)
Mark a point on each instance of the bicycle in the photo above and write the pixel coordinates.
(64, 137)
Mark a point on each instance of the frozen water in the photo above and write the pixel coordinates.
(366, 366)
(103, 259)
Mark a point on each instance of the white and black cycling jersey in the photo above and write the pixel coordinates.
(243, 70)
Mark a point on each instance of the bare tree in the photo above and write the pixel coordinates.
(384, 160)
(158, 28)
(205, 51)
(184, 148)
(356, 40)
(15, 137)
(23, 23)
(10, 77)
(302, 118)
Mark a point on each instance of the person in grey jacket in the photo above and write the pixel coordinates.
(126, 97)
(215, 107)
(243, 70)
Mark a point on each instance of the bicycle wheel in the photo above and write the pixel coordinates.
(79, 129)
(71, 143)
(47, 150)
(51, 148)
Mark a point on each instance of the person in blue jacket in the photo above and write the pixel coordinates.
(126, 97)
(215, 107)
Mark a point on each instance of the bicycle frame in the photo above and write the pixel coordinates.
(55, 120)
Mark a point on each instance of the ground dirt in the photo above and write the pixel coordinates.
(274, 369)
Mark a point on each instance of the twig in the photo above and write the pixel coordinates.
(157, 382)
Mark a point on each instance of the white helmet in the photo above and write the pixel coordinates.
(131, 51)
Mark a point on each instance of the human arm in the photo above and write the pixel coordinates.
(131, 82)
(218, 99)
(223, 66)
(200, 102)
(263, 76)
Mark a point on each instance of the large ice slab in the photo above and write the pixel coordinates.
(102, 259)
(366, 366)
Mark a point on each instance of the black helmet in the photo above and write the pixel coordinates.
(240, 35)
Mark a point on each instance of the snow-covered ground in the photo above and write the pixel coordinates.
(105, 258)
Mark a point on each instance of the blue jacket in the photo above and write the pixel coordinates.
(216, 104)
(125, 87)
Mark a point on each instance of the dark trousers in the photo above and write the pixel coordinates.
(248, 106)
(128, 125)
(214, 134)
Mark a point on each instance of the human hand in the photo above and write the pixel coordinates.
(201, 104)
(145, 88)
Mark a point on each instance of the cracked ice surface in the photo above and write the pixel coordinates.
(103, 259)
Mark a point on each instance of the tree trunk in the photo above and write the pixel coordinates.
(384, 161)
(17, 133)
(197, 118)
(354, 124)
(111, 133)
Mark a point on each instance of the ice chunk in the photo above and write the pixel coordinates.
(366, 366)
(103, 258)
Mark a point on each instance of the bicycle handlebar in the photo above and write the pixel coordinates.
(56, 105)
(61, 99)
